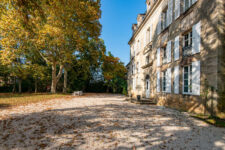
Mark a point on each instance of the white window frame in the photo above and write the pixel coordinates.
(189, 40)
(189, 80)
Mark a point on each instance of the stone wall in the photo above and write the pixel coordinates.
(212, 56)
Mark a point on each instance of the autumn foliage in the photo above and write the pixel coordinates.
(43, 40)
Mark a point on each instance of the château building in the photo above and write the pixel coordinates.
(177, 53)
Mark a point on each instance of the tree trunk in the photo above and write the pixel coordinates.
(36, 86)
(65, 81)
(20, 85)
(53, 87)
(14, 85)
(107, 90)
(55, 78)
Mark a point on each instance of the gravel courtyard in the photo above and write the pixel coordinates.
(104, 122)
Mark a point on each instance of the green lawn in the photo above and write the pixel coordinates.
(9, 99)
(216, 121)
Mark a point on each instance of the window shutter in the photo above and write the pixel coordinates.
(196, 38)
(159, 25)
(158, 57)
(176, 80)
(168, 80)
(158, 81)
(168, 51)
(168, 15)
(177, 9)
(176, 48)
(170, 12)
(196, 78)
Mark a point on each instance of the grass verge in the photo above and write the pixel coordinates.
(216, 121)
(8, 99)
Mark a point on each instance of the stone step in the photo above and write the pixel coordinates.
(149, 101)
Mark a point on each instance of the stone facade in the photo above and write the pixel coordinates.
(177, 54)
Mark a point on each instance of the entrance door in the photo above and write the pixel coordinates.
(147, 88)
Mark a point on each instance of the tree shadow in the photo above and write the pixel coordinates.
(5, 106)
(115, 126)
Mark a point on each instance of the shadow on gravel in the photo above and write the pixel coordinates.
(42, 130)
(4, 106)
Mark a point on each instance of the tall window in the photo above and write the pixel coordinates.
(139, 45)
(188, 4)
(187, 82)
(164, 55)
(187, 43)
(148, 36)
(132, 69)
(164, 82)
(147, 60)
(138, 67)
(164, 19)
(133, 48)
(148, 6)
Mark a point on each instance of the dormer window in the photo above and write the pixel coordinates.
(140, 18)
(148, 5)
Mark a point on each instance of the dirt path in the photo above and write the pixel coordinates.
(104, 122)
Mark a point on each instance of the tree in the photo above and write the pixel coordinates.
(114, 73)
(55, 29)
(87, 63)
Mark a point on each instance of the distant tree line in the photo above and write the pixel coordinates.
(54, 46)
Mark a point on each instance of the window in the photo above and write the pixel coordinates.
(147, 60)
(139, 45)
(188, 39)
(132, 69)
(133, 48)
(187, 43)
(164, 82)
(188, 4)
(164, 55)
(187, 79)
(164, 19)
(148, 6)
(137, 67)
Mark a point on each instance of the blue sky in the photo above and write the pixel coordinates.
(117, 19)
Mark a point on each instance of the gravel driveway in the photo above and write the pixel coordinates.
(104, 122)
